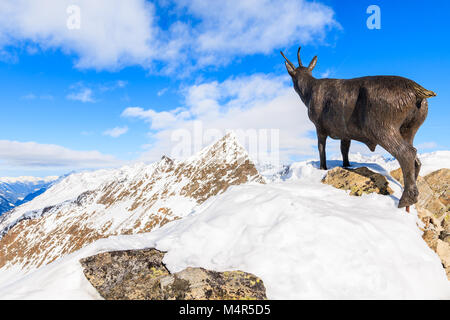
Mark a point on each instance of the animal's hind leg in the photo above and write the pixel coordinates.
(409, 129)
(406, 155)
(345, 147)
(407, 163)
(408, 135)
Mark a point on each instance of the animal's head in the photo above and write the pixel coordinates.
(300, 70)
(301, 74)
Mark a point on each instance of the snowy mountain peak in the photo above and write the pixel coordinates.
(226, 149)
(166, 160)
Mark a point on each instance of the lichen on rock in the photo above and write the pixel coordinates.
(141, 275)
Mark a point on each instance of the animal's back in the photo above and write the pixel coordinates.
(356, 108)
(392, 89)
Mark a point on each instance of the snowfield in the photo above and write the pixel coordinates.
(306, 240)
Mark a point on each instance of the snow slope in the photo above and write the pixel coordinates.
(66, 189)
(305, 240)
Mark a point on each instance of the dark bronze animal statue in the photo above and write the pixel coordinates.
(380, 110)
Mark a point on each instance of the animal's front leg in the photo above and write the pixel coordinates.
(322, 139)
(345, 147)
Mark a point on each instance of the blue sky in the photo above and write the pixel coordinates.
(159, 66)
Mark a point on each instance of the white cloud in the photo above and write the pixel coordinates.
(115, 33)
(110, 86)
(224, 30)
(252, 102)
(83, 95)
(112, 34)
(35, 155)
(326, 74)
(116, 132)
(46, 97)
(157, 120)
(121, 83)
(85, 92)
(32, 96)
(428, 145)
(162, 92)
(236, 27)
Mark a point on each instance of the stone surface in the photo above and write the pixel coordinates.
(443, 251)
(359, 181)
(433, 192)
(433, 209)
(439, 182)
(141, 275)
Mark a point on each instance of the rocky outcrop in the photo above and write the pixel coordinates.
(433, 208)
(358, 181)
(141, 275)
(129, 200)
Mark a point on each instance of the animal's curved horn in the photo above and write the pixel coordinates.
(287, 60)
(298, 57)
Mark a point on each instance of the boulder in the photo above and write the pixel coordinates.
(141, 275)
(359, 181)
(433, 193)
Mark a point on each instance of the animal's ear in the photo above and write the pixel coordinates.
(312, 64)
(289, 69)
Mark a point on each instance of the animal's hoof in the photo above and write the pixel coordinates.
(404, 203)
(408, 198)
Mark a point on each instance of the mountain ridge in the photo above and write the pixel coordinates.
(123, 201)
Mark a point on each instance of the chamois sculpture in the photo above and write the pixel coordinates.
(377, 110)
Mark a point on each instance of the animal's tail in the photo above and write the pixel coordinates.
(422, 93)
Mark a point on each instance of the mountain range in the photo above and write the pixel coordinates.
(17, 191)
